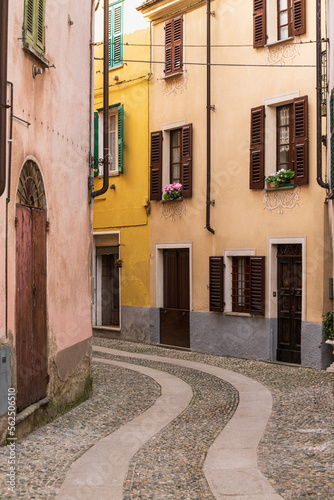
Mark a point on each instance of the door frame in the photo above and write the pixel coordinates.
(272, 284)
(159, 270)
(100, 239)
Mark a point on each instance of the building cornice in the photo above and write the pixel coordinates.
(156, 10)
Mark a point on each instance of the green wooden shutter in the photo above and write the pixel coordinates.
(216, 287)
(116, 35)
(96, 144)
(120, 132)
(40, 12)
(331, 113)
(29, 21)
(257, 148)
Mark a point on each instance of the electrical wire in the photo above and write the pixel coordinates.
(229, 65)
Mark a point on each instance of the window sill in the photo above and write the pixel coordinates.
(245, 315)
(168, 201)
(119, 66)
(166, 77)
(37, 55)
(111, 174)
(279, 188)
(278, 42)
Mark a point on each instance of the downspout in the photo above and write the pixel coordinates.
(8, 200)
(208, 119)
(321, 183)
(105, 102)
(3, 91)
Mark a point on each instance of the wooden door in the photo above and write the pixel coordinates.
(175, 315)
(31, 335)
(110, 291)
(289, 303)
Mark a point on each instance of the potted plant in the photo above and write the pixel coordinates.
(173, 191)
(282, 178)
(119, 262)
(328, 332)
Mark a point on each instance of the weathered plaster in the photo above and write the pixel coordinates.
(68, 360)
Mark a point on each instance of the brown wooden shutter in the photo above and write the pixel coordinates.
(216, 271)
(259, 23)
(186, 173)
(177, 44)
(300, 133)
(156, 165)
(257, 286)
(257, 148)
(168, 47)
(298, 17)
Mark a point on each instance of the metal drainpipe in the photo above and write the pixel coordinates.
(321, 183)
(3, 91)
(8, 200)
(208, 120)
(105, 102)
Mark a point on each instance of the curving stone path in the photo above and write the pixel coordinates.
(230, 467)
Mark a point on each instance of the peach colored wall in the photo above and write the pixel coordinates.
(239, 218)
(56, 104)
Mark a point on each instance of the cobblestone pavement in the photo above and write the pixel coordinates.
(296, 453)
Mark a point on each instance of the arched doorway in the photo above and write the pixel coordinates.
(31, 336)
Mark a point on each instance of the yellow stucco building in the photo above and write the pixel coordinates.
(121, 215)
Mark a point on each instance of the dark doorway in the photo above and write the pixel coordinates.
(289, 259)
(175, 316)
(31, 335)
(110, 291)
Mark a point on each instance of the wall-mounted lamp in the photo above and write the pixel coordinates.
(36, 71)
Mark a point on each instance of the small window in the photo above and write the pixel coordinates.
(33, 24)
(115, 141)
(178, 168)
(284, 137)
(174, 46)
(277, 20)
(284, 16)
(241, 284)
(116, 35)
(175, 156)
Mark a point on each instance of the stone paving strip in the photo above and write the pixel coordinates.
(44, 457)
(296, 453)
(99, 474)
(230, 466)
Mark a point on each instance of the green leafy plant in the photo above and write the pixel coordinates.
(118, 262)
(281, 177)
(328, 326)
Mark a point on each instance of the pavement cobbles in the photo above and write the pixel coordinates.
(295, 455)
(45, 456)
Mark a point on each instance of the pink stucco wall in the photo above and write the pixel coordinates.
(57, 104)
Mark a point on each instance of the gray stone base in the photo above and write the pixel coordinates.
(225, 335)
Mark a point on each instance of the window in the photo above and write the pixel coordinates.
(277, 20)
(284, 137)
(173, 46)
(116, 35)
(289, 150)
(115, 141)
(175, 155)
(33, 24)
(244, 284)
(240, 284)
(178, 168)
